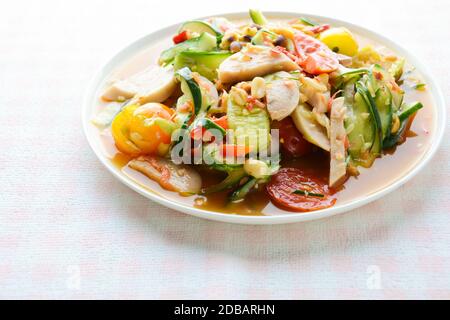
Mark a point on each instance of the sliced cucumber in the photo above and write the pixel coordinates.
(199, 27)
(233, 178)
(349, 75)
(251, 127)
(376, 78)
(205, 42)
(190, 88)
(379, 77)
(183, 120)
(205, 63)
(409, 110)
(392, 140)
(360, 128)
(208, 124)
(383, 102)
(257, 17)
(375, 116)
(404, 115)
(243, 190)
(396, 69)
(258, 38)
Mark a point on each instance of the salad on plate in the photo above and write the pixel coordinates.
(257, 112)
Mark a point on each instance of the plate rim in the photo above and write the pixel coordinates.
(440, 115)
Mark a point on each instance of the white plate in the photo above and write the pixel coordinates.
(91, 98)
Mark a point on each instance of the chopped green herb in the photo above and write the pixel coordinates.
(308, 194)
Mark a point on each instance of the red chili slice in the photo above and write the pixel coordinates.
(314, 56)
(315, 195)
(181, 37)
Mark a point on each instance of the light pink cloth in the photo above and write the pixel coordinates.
(68, 229)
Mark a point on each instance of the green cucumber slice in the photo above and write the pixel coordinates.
(396, 69)
(383, 102)
(208, 124)
(190, 88)
(205, 63)
(408, 110)
(361, 130)
(258, 38)
(242, 191)
(375, 116)
(392, 140)
(257, 17)
(199, 27)
(251, 127)
(233, 178)
(205, 42)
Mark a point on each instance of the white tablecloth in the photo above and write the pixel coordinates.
(68, 229)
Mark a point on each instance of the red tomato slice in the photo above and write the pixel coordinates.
(292, 141)
(314, 56)
(283, 184)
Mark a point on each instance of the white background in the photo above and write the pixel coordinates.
(69, 230)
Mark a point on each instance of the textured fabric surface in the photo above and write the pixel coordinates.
(68, 229)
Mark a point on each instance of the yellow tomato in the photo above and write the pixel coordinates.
(143, 129)
(340, 40)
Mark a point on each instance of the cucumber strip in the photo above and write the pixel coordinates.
(378, 139)
(190, 87)
(257, 17)
(409, 110)
(208, 124)
(258, 38)
(186, 118)
(242, 191)
(233, 178)
(396, 69)
(392, 140)
(205, 42)
(199, 27)
(205, 63)
(349, 75)
(361, 130)
(379, 77)
(383, 102)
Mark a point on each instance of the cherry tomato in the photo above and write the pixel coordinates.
(292, 141)
(296, 190)
(143, 129)
(181, 37)
(314, 56)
